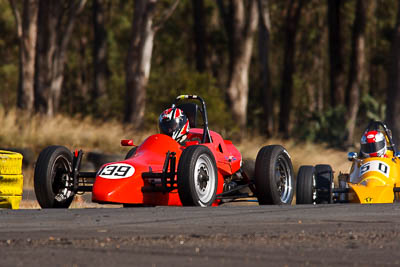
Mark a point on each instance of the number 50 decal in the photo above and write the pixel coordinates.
(117, 171)
(377, 166)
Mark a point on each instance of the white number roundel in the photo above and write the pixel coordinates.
(117, 171)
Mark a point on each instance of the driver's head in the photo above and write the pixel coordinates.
(373, 144)
(173, 122)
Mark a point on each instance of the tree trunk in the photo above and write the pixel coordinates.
(337, 78)
(27, 33)
(314, 66)
(321, 86)
(291, 23)
(138, 61)
(357, 68)
(199, 29)
(393, 92)
(243, 28)
(99, 93)
(55, 24)
(315, 88)
(226, 17)
(264, 28)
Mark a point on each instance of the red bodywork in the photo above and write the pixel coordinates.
(150, 156)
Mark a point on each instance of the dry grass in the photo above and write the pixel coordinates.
(37, 132)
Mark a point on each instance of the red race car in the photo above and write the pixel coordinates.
(184, 165)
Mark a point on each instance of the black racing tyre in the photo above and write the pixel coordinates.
(274, 177)
(248, 167)
(53, 164)
(197, 176)
(131, 153)
(305, 185)
(324, 183)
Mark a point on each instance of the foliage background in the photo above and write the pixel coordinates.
(173, 67)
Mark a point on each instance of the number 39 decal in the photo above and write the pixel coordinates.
(117, 171)
(377, 166)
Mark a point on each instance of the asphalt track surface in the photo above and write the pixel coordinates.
(302, 235)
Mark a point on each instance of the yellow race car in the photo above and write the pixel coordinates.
(374, 176)
(11, 181)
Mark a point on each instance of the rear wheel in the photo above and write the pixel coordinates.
(305, 191)
(197, 177)
(248, 167)
(53, 169)
(274, 176)
(324, 183)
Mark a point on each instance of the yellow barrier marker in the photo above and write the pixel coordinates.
(11, 179)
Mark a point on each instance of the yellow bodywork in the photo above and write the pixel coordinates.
(372, 180)
(11, 179)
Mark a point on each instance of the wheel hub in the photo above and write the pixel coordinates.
(62, 182)
(203, 178)
(282, 178)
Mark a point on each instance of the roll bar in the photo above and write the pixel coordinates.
(206, 131)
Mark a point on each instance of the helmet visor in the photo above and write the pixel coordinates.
(372, 147)
(168, 126)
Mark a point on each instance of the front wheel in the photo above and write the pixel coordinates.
(197, 177)
(306, 185)
(314, 185)
(274, 176)
(52, 172)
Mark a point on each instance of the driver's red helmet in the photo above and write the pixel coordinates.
(173, 122)
(373, 144)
